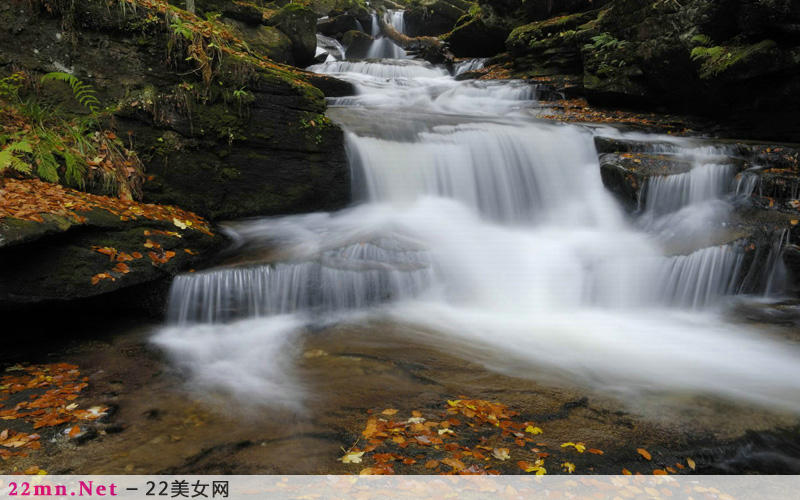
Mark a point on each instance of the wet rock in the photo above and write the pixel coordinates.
(624, 174)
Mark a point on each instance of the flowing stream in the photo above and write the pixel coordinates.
(490, 231)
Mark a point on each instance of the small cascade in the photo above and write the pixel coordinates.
(382, 47)
(668, 193)
(746, 183)
(396, 19)
(505, 173)
(348, 278)
(330, 46)
(385, 70)
(701, 278)
(468, 65)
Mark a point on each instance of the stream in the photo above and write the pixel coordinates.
(481, 231)
(492, 231)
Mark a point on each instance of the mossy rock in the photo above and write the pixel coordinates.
(266, 41)
(299, 23)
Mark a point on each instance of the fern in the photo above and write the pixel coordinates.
(83, 92)
(75, 171)
(9, 157)
(46, 165)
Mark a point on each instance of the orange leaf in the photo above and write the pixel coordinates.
(74, 431)
(626, 472)
(660, 472)
(595, 451)
(431, 464)
(644, 453)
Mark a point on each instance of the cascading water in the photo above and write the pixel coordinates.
(493, 232)
(383, 47)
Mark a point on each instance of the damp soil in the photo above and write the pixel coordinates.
(159, 424)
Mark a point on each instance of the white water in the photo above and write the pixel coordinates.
(383, 47)
(494, 233)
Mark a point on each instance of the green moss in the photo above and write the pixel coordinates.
(719, 59)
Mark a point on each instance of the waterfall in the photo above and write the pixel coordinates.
(491, 233)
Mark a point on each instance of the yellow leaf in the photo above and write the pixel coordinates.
(794, 222)
(389, 411)
(533, 430)
(354, 457)
(691, 463)
(501, 453)
(579, 447)
(569, 466)
(179, 224)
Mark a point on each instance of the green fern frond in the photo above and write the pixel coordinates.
(83, 92)
(75, 171)
(46, 165)
(9, 158)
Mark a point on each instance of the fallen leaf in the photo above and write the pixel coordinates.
(595, 451)
(660, 472)
(353, 457)
(626, 472)
(690, 463)
(74, 431)
(569, 466)
(501, 453)
(389, 411)
(456, 464)
(431, 464)
(533, 430)
(644, 453)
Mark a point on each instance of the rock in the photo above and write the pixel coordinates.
(299, 23)
(357, 44)
(472, 38)
(338, 25)
(624, 174)
(266, 40)
(433, 17)
(55, 260)
(252, 141)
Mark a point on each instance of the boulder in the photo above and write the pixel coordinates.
(266, 40)
(357, 44)
(338, 25)
(100, 248)
(434, 17)
(299, 23)
(473, 38)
